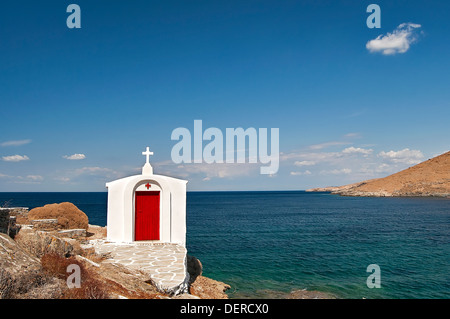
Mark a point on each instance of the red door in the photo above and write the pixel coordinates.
(146, 216)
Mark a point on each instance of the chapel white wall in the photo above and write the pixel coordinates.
(121, 195)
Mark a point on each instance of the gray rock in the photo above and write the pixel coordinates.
(14, 258)
(72, 233)
(194, 267)
(39, 243)
(4, 221)
(185, 296)
(45, 224)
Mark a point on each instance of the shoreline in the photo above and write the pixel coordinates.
(331, 190)
(430, 178)
(35, 241)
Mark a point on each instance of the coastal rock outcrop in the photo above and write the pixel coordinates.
(32, 265)
(207, 288)
(429, 178)
(21, 275)
(194, 267)
(38, 243)
(8, 222)
(305, 294)
(67, 214)
(13, 258)
(4, 221)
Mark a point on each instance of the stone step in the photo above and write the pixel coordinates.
(73, 233)
(45, 224)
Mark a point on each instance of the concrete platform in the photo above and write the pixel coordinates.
(164, 263)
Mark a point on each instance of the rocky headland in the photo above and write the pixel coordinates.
(37, 246)
(429, 178)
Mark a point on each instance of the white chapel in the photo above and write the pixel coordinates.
(147, 207)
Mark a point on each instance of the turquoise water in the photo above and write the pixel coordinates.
(264, 243)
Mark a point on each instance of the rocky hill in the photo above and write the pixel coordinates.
(429, 178)
(35, 255)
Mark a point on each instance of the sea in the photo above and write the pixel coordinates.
(268, 244)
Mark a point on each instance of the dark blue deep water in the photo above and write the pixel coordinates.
(263, 243)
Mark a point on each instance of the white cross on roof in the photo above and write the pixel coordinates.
(147, 153)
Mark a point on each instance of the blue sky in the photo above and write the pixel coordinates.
(137, 70)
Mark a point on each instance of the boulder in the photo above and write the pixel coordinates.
(13, 226)
(21, 214)
(305, 294)
(185, 296)
(8, 224)
(72, 233)
(207, 288)
(4, 220)
(126, 283)
(194, 267)
(96, 232)
(21, 275)
(46, 224)
(67, 214)
(39, 243)
(13, 258)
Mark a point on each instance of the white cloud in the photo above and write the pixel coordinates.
(88, 173)
(220, 170)
(36, 178)
(307, 172)
(399, 41)
(336, 171)
(356, 150)
(375, 169)
(207, 171)
(383, 168)
(75, 157)
(313, 158)
(304, 163)
(350, 164)
(29, 179)
(327, 144)
(353, 135)
(15, 143)
(62, 179)
(93, 170)
(15, 158)
(310, 156)
(405, 156)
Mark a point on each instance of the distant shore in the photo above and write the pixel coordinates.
(427, 179)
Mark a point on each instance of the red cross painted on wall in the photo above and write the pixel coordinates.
(148, 185)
